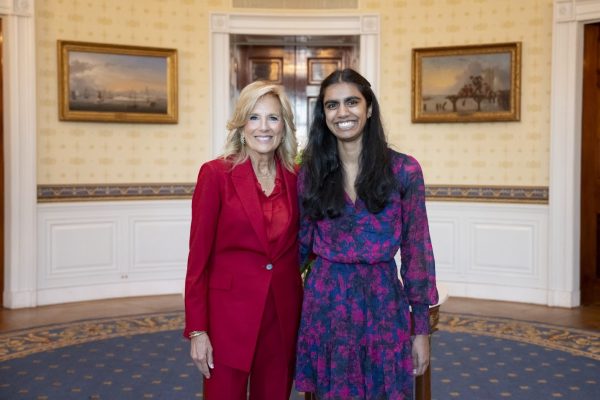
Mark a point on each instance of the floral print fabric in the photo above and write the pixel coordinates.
(354, 339)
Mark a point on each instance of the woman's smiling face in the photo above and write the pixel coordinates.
(264, 127)
(346, 111)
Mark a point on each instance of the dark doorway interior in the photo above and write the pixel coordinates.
(1, 170)
(590, 168)
(299, 63)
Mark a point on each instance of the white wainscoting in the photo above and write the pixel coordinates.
(111, 249)
(130, 248)
(490, 250)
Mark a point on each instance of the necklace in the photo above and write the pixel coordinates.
(261, 175)
(270, 171)
(266, 180)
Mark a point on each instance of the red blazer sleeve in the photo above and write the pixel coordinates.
(205, 214)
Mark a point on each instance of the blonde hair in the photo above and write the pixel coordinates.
(234, 150)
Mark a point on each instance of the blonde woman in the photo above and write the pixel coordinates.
(243, 287)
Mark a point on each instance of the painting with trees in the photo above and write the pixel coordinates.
(466, 83)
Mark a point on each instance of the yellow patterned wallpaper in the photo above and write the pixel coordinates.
(507, 153)
(499, 153)
(76, 152)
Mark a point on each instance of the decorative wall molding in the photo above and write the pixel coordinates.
(93, 250)
(563, 10)
(23, 8)
(150, 191)
(491, 251)
(52, 193)
(502, 194)
(89, 251)
(304, 4)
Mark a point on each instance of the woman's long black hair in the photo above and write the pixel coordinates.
(323, 194)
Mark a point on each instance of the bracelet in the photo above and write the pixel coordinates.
(193, 334)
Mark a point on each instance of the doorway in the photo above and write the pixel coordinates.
(299, 63)
(590, 168)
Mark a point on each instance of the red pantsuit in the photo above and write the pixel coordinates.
(243, 286)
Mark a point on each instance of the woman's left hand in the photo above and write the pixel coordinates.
(202, 353)
(420, 354)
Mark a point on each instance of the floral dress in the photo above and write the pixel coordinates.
(354, 338)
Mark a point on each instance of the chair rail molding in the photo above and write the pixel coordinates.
(223, 24)
(20, 189)
(570, 16)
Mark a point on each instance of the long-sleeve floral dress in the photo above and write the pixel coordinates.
(354, 339)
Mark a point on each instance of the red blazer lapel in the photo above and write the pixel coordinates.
(289, 180)
(245, 187)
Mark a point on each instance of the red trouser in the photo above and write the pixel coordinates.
(270, 375)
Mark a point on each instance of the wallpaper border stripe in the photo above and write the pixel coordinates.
(151, 191)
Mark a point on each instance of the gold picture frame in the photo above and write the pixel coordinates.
(116, 83)
(477, 83)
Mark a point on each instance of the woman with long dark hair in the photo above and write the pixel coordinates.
(361, 202)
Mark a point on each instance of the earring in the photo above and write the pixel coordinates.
(243, 140)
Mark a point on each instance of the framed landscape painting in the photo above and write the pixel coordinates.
(116, 83)
(467, 83)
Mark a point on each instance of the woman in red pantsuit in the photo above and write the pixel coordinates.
(243, 289)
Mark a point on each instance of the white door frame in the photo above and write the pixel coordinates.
(570, 16)
(224, 24)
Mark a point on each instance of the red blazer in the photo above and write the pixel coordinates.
(231, 266)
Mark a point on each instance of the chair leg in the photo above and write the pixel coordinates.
(423, 386)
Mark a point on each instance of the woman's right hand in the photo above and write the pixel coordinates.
(202, 354)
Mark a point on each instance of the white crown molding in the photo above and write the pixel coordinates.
(294, 24)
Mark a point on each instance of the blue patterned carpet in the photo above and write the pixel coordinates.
(145, 357)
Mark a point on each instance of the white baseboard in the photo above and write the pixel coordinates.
(493, 292)
(107, 291)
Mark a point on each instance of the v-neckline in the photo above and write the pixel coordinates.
(349, 199)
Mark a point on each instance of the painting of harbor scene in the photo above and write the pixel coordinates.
(466, 84)
(118, 84)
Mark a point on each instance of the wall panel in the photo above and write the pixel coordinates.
(492, 251)
(98, 250)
